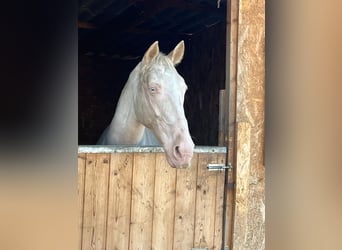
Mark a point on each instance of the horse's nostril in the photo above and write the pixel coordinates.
(177, 151)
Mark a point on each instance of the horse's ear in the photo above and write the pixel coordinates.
(176, 55)
(151, 53)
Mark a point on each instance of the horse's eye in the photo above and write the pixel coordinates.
(153, 90)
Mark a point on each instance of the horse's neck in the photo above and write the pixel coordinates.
(148, 139)
(124, 128)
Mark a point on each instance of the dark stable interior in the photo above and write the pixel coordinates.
(113, 36)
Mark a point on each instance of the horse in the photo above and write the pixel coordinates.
(150, 108)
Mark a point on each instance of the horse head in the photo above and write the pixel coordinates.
(159, 103)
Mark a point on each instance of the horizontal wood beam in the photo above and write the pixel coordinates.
(86, 25)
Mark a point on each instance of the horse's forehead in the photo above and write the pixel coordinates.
(163, 72)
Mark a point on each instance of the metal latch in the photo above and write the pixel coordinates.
(218, 166)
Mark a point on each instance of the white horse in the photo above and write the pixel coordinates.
(150, 109)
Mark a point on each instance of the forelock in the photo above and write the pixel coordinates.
(160, 63)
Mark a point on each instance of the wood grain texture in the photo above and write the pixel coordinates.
(250, 107)
(95, 200)
(223, 118)
(185, 206)
(205, 202)
(137, 201)
(164, 204)
(119, 201)
(231, 87)
(142, 201)
(242, 186)
(80, 194)
(219, 204)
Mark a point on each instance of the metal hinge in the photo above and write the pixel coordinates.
(218, 166)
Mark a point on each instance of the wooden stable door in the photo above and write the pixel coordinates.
(135, 200)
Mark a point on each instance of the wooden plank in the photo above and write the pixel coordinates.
(95, 201)
(250, 107)
(80, 194)
(142, 201)
(229, 209)
(185, 206)
(222, 141)
(164, 204)
(119, 201)
(205, 202)
(89, 193)
(231, 86)
(242, 185)
(219, 209)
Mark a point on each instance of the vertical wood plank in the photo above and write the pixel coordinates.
(229, 210)
(242, 186)
(119, 201)
(80, 194)
(164, 204)
(222, 138)
(205, 202)
(137, 201)
(95, 201)
(231, 86)
(185, 206)
(89, 193)
(142, 201)
(250, 107)
(220, 186)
